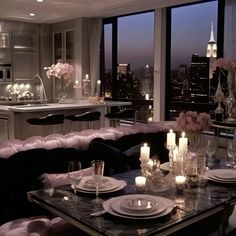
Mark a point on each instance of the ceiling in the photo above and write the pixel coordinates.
(52, 11)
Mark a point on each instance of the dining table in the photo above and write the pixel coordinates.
(202, 208)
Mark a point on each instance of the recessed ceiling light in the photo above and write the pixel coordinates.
(32, 14)
(39, 0)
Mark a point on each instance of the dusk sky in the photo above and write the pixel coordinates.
(190, 34)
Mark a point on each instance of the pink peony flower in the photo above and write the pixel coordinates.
(61, 71)
(192, 122)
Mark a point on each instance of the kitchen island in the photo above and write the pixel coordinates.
(14, 118)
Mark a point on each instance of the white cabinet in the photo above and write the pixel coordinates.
(63, 46)
(25, 56)
(4, 128)
(5, 48)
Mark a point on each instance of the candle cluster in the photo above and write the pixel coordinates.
(176, 155)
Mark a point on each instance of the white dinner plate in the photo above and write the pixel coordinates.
(121, 185)
(112, 206)
(165, 166)
(222, 175)
(138, 204)
(226, 174)
(108, 184)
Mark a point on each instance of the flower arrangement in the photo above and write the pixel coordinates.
(193, 122)
(60, 70)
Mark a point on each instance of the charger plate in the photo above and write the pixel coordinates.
(112, 206)
(165, 166)
(108, 183)
(222, 175)
(121, 185)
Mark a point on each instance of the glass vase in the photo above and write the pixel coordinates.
(194, 142)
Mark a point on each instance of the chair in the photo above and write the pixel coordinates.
(115, 117)
(50, 120)
(89, 118)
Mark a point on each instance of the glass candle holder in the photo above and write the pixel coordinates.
(140, 184)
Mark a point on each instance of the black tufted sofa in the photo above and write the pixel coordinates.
(20, 172)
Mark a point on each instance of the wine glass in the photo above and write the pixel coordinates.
(231, 153)
(211, 148)
(75, 174)
(97, 176)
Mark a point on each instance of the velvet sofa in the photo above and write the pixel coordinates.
(24, 163)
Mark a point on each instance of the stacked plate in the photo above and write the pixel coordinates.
(227, 176)
(108, 185)
(165, 166)
(139, 206)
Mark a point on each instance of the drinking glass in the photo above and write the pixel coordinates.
(75, 174)
(97, 176)
(211, 148)
(231, 153)
(191, 172)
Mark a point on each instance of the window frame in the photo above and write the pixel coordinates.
(220, 44)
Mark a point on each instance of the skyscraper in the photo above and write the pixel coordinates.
(199, 79)
(211, 51)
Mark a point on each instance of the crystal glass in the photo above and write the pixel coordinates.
(211, 148)
(97, 176)
(191, 172)
(75, 174)
(231, 153)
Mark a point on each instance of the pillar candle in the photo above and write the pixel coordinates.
(145, 152)
(77, 88)
(183, 143)
(171, 136)
(87, 77)
(175, 153)
(180, 182)
(140, 184)
(98, 88)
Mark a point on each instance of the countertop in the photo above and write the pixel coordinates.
(61, 106)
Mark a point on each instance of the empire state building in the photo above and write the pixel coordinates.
(211, 51)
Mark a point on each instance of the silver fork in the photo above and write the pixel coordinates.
(98, 213)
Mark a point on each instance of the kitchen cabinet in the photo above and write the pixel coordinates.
(63, 46)
(4, 127)
(5, 48)
(25, 56)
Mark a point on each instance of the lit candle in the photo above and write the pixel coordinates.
(87, 77)
(171, 136)
(180, 182)
(183, 143)
(98, 87)
(140, 184)
(150, 163)
(77, 88)
(175, 153)
(145, 153)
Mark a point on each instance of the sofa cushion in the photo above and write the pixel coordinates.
(22, 172)
(115, 160)
(128, 145)
(38, 226)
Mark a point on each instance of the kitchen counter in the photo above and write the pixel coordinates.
(15, 116)
(64, 106)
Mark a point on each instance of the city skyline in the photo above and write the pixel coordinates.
(136, 35)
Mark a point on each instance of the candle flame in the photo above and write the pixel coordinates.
(171, 130)
(183, 134)
(145, 144)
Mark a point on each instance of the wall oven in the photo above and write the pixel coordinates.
(5, 72)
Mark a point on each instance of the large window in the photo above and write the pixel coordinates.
(128, 60)
(193, 49)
